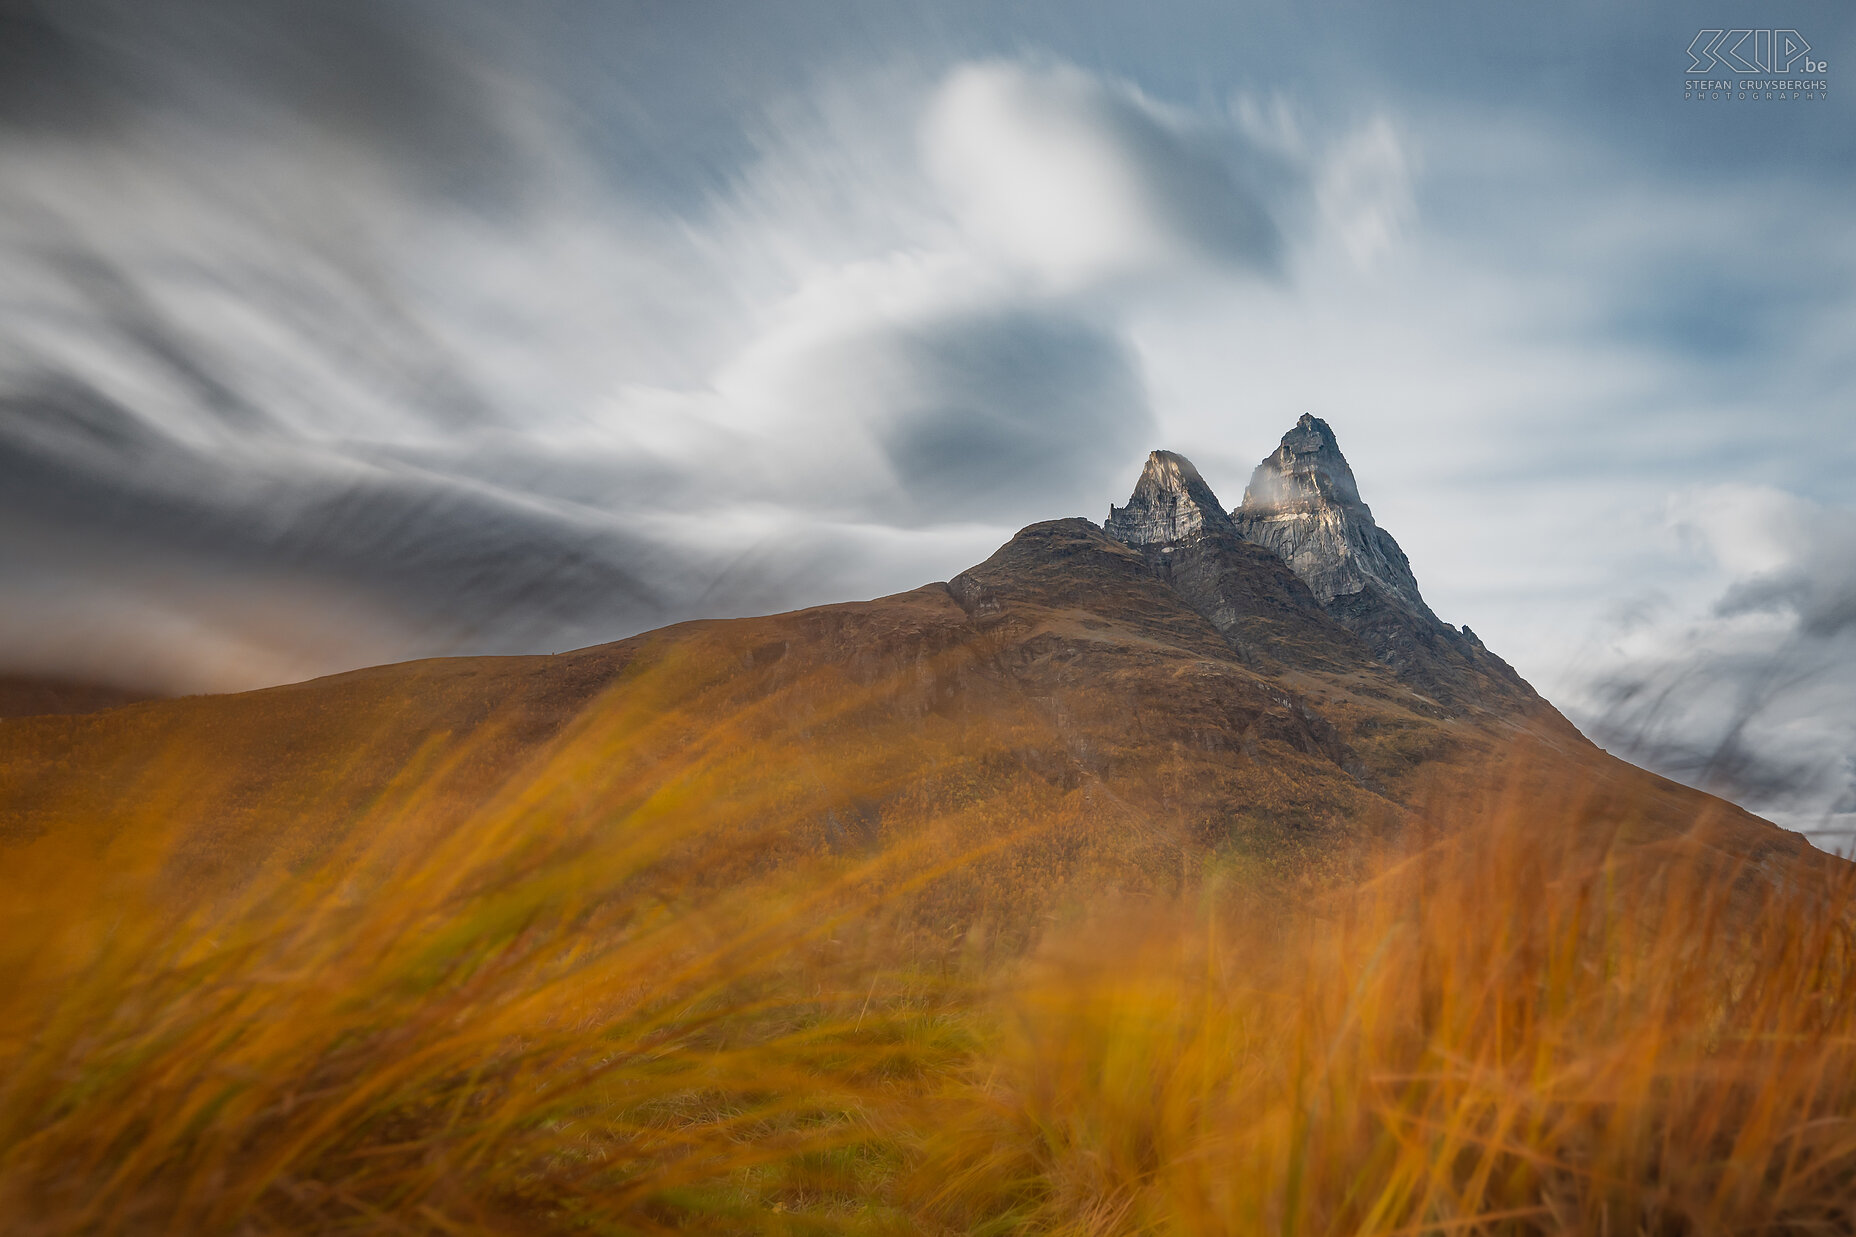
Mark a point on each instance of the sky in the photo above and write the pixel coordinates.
(335, 332)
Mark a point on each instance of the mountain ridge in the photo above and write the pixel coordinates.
(1092, 710)
(1303, 510)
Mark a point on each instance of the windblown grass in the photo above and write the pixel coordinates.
(1508, 1031)
(558, 1018)
(570, 1012)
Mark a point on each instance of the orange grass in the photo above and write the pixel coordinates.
(1504, 1032)
(552, 1018)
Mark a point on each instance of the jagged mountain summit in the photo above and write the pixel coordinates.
(1170, 503)
(1303, 503)
(1300, 572)
(1176, 524)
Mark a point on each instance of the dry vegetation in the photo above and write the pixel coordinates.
(1492, 1035)
(634, 992)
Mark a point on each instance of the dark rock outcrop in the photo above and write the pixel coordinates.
(1305, 506)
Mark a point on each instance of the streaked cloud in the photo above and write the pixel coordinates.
(1748, 694)
(1080, 179)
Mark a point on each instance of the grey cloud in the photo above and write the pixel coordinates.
(1762, 713)
(1210, 188)
(51, 80)
(365, 69)
(474, 565)
(394, 553)
(223, 379)
(321, 423)
(1085, 178)
(334, 316)
(1820, 592)
(379, 75)
(1012, 416)
(123, 309)
(1213, 202)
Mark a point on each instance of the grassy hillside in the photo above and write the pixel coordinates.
(1024, 905)
(545, 1023)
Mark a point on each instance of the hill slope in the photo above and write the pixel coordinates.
(1125, 706)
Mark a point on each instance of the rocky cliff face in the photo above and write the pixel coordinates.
(1181, 531)
(1300, 574)
(1170, 503)
(1303, 503)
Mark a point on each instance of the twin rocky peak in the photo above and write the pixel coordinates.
(1303, 511)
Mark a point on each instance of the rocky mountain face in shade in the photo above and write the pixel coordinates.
(1170, 503)
(1300, 574)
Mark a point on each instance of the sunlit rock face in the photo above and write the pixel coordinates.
(1303, 503)
(1170, 503)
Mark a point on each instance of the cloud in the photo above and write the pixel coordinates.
(1754, 695)
(1363, 189)
(927, 389)
(1080, 179)
(451, 418)
(375, 78)
(1815, 581)
(1007, 416)
(48, 78)
(423, 551)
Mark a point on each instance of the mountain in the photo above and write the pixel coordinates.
(1116, 705)
(1268, 617)
(1300, 576)
(1304, 505)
